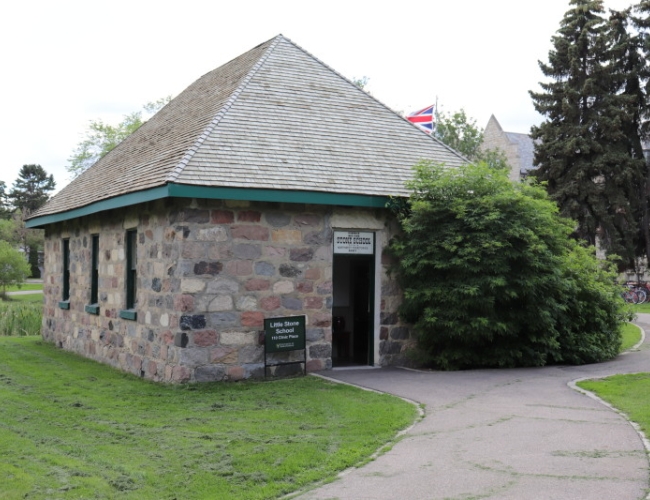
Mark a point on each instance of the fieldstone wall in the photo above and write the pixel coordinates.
(208, 273)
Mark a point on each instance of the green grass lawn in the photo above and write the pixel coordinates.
(631, 335)
(641, 308)
(25, 286)
(73, 428)
(30, 297)
(628, 393)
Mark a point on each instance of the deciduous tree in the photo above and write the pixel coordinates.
(13, 267)
(101, 137)
(460, 132)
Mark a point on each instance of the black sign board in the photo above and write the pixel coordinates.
(284, 334)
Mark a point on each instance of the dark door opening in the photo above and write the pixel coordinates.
(352, 311)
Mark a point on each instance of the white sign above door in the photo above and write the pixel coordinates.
(354, 242)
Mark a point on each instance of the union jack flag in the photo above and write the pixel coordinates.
(425, 118)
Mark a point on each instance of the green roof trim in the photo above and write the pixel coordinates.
(277, 195)
(207, 192)
(101, 206)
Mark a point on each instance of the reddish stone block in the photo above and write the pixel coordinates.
(313, 302)
(305, 287)
(325, 288)
(204, 338)
(180, 374)
(257, 233)
(152, 369)
(321, 319)
(236, 373)
(239, 267)
(383, 333)
(184, 303)
(315, 365)
(252, 318)
(148, 234)
(275, 251)
(220, 354)
(249, 216)
(135, 362)
(257, 284)
(270, 303)
(312, 274)
(222, 217)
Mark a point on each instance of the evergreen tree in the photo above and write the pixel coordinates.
(32, 188)
(30, 192)
(641, 23)
(583, 152)
(5, 210)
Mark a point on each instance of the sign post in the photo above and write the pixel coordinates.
(283, 335)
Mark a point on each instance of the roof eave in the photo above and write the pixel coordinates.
(173, 190)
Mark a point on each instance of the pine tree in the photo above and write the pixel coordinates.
(583, 152)
(641, 23)
(32, 188)
(30, 192)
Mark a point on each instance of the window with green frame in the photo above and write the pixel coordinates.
(131, 247)
(93, 307)
(65, 299)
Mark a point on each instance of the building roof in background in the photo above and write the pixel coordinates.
(274, 118)
(526, 147)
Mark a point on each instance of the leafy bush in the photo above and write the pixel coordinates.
(20, 319)
(13, 266)
(491, 277)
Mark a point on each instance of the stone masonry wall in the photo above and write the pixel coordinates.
(208, 273)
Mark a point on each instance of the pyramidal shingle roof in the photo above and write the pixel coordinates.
(273, 118)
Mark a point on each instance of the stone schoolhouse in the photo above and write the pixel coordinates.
(259, 192)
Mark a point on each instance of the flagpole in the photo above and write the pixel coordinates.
(435, 125)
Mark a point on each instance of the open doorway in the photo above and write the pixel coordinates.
(353, 306)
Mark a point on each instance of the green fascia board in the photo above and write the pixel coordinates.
(277, 195)
(214, 193)
(124, 200)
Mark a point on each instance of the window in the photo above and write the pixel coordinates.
(93, 307)
(131, 274)
(65, 299)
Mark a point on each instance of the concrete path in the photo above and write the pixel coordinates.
(503, 434)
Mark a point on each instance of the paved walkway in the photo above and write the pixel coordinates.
(503, 434)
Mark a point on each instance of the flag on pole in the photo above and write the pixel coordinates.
(425, 118)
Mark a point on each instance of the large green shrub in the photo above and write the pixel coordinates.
(13, 266)
(492, 278)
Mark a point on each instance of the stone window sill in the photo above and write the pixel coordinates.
(64, 304)
(129, 314)
(92, 308)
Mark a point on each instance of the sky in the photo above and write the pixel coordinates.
(66, 63)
